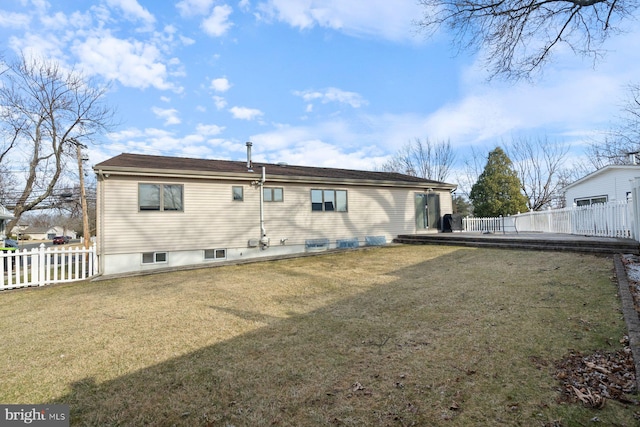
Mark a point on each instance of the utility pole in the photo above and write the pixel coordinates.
(86, 234)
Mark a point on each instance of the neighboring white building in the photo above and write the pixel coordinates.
(157, 212)
(608, 184)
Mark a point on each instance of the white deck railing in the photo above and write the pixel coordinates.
(613, 219)
(44, 266)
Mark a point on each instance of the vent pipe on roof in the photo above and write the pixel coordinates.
(632, 158)
(249, 165)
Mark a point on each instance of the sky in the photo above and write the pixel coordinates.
(327, 83)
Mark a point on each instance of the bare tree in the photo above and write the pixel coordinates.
(474, 164)
(425, 159)
(539, 164)
(517, 37)
(45, 111)
(615, 146)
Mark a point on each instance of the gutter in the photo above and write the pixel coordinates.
(250, 176)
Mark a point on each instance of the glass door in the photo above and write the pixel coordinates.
(433, 211)
(427, 207)
(421, 211)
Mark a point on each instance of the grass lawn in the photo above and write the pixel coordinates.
(391, 336)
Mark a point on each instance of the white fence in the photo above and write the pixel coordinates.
(613, 219)
(492, 225)
(44, 266)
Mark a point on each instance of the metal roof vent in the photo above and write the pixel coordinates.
(249, 165)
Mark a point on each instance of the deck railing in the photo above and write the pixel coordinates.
(613, 219)
(46, 265)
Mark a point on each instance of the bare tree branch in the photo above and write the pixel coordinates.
(615, 146)
(517, 37)
(539, 164)
(424, 159)
(45, 109)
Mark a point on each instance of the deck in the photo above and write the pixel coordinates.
(531, 241)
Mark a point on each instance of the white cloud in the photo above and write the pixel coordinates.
(14, 20)
(244, 5)
(220, 84)
(133, 10)
(312, 146)
(217, 24)
(169, 115)
(245, 113)
(220, 102)
(132, 63)
(56, 21)
(39, 46)
(39, 5)
(186, 40)
(333, 94)
(194, 7)
(574, 101)
(209, 130)
(373, 18)
(155, 141)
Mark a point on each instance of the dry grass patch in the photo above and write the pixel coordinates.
(408, 335)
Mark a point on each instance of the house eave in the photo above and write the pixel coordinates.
(598, 173)
(252, 176)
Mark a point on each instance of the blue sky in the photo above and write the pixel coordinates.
(323, 83)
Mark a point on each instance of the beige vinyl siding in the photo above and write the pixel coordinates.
(371, 211)
(446, 203)
(211, 219)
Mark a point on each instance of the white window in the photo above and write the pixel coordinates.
(213, 254)
(154, 257)
(329, 200)
(160, 197)
(272, 194)
(587, 201)
(238, 193)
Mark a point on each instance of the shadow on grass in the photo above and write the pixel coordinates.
(426, 349)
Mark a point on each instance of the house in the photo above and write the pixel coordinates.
(158, 212)
(42, 233)
(5, 216)
(608, 184)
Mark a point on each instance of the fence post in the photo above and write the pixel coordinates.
(94, 259)
(635, 200)
(41, 265)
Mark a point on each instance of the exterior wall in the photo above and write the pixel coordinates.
(212, 220)
(614, 183)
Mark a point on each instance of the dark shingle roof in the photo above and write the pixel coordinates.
(127, 162)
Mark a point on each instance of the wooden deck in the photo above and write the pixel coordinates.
(532, 241)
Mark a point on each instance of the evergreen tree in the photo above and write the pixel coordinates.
(497, 191)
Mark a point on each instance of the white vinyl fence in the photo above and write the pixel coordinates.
(613, 219)
(44, 266)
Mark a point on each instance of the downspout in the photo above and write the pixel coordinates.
(264, 240)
